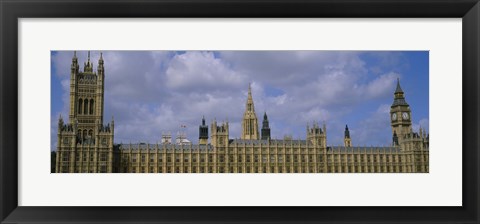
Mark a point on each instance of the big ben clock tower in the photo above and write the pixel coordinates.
(400, 114)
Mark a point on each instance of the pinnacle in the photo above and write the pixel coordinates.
(399, 89)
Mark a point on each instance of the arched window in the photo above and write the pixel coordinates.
(85, 107)
(91, 106)
(90, 133)
(80, 106)
(84, 134)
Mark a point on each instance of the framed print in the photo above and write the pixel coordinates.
(225, 111)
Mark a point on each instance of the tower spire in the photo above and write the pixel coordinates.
(250, 122)
(347, 141)
(250, 106)
(398, 89)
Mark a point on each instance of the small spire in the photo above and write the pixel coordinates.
(101, 56)
(88, 55)
(265, 116)
(347, 132)
(74, 54)
(399, 89)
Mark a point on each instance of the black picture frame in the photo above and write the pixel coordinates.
(11, 11)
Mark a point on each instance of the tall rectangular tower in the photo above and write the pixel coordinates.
(84, 144)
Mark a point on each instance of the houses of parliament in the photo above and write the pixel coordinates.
(86, 144)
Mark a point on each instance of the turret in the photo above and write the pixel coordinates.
(88, 66)
(395, 138)
(347, 141)
(74, 67)
(203, 133)
(265, 128)
(113, 126)
(100, 68)
(60, 123)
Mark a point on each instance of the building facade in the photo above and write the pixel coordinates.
(85, 144)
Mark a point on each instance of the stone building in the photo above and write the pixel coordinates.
(85, 144)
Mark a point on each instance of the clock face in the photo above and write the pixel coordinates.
(394, 117)
(405, 116)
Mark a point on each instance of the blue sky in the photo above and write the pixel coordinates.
(150, 92)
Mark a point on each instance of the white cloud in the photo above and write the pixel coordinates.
(374, 130)
(423, 123)
(201, 71)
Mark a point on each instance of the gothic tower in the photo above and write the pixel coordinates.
(219, 134)
(85, 131)
(203, 133)
(265, 128)
(347, 141)
(400, 114)
(316, 136)
(249, 122)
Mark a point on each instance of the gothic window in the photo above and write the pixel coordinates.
(152, 158)
(65, 141)
(103, 157)
(85, 107)
(80, 106)
(91, 106)
(90, 133)
(84, 134)
(66, 156)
